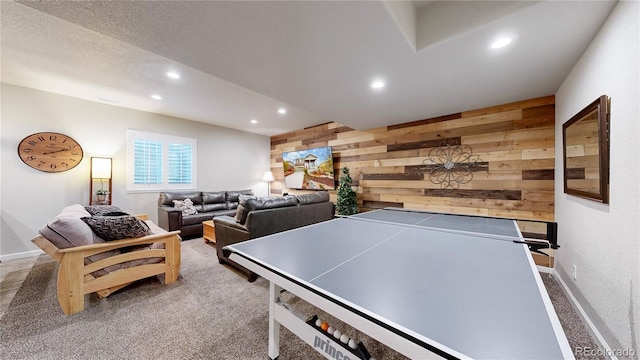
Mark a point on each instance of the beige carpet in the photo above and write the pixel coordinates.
(209, 313)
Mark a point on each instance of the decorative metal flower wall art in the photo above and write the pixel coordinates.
(451, 164)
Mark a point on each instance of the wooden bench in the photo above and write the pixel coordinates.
(75, 279)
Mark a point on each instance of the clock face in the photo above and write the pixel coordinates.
(50, 152)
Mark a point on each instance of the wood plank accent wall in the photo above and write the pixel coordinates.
(514, 178)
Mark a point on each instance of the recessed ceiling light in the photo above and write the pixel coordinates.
(156, 97)
(282, 111)
(254, 121)
(500, 43)
(173, 75)
(377, 84)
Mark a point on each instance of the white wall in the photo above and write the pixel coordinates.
(602, 240)
(227, 159)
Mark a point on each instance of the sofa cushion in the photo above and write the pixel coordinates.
(312, 198)
(186, 206)
(166, 198)
(271, 202)
(225, 212)
(101, 209)
(117, 227)
(233, 197)
(196, 218)
(212, 201)
(243, 208)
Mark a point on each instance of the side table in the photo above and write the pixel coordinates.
(209, 231)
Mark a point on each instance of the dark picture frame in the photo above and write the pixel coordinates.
(585, 140)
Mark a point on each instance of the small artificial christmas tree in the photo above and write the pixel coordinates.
(347, 199)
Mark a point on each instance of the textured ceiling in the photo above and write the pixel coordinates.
(242, 60)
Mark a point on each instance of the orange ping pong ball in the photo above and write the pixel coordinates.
(324, 326)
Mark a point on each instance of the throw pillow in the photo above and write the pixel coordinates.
(114, 213)
(67, 232)
(99, 209)
(243, 210)
(241, 214)
(186, 206)
(117, 227)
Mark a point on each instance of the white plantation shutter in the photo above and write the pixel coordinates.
(180, 163)
(147, 162)
(160, 162)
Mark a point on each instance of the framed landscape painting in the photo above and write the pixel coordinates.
(310, 169)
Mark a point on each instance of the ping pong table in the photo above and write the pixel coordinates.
(428, 285)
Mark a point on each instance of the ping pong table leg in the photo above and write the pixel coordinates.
(274, 326)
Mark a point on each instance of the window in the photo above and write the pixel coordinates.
(160, 162)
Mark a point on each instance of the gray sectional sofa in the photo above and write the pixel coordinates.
(258, 217)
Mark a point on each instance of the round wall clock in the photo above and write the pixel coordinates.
(50, 152)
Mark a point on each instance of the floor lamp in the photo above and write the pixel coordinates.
(268, 177)
(100, 170)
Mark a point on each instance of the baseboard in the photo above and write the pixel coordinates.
(591, 327)
(544, 269)
(21, 255)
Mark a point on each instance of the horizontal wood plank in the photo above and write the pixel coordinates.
(390, 166)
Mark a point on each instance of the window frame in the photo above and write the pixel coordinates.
(133, 135)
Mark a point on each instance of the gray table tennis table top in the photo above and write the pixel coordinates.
(427, 277)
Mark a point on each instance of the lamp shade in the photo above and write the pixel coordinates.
(100, 168)
(268, 176)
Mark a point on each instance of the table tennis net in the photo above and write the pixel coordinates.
(428, 223)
